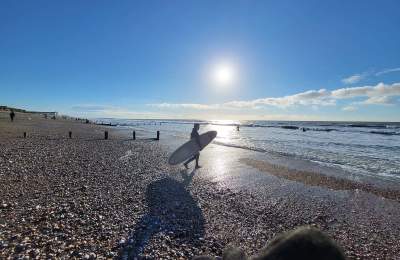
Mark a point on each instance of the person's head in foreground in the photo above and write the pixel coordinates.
(302, 243)
(196, 126)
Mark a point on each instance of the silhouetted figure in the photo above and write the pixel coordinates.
(194, 135)
(302, 243)
(237, 128)
(12, 115)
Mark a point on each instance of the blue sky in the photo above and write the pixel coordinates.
(291, 60)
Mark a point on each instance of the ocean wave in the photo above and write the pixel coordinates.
(379, 126)
(292, 127)
(393, 126)
(320, 129)
(252, 148)
(384, 133)
(366, 125)
(388, 129)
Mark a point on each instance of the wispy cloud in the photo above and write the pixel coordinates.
(380, 100)
(349, 108)
(92, 111)
(368, 74)
(385, 71)
(354, 78)
(311, 97)
(189, 106)
(90, 108)
(379, 94)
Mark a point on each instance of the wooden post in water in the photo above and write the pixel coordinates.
(158, 135)
(105, 135)
(70, 134)
(24, 134)
(134, 135)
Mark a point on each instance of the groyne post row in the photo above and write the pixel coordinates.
(106, 135)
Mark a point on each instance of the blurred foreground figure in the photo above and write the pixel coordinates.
(302, 243)
(12, 115)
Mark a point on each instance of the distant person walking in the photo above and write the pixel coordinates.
(12, 115)
(194, 135)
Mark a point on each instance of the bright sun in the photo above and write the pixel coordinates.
(223, 75)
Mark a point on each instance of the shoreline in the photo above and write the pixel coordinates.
(321, 180)
(365, 171)
(89, 197)
(377, 184)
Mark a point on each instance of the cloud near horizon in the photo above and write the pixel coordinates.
(90, 108)
(106, 111)
(380, 94)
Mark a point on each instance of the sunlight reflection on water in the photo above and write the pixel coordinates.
(226, 129)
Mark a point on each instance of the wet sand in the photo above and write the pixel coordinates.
(87, 197)
(321, 180)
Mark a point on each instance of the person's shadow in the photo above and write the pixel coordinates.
(187, 178)
(172, 210)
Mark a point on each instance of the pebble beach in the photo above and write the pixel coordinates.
(86, 197)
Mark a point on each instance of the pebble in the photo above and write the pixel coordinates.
(74, 198)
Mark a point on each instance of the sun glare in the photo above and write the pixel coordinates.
(223, 75)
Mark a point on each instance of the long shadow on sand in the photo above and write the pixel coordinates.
(172, 211)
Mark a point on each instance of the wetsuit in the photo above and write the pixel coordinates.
(194, 135)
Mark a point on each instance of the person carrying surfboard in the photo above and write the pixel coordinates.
(194, 135)
(189, 151)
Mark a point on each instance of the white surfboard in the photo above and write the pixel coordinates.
(191, 147)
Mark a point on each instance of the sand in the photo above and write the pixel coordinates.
(87, 197)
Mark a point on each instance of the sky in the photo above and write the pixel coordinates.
(256, 60)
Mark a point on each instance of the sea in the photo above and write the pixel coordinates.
(363, 148)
